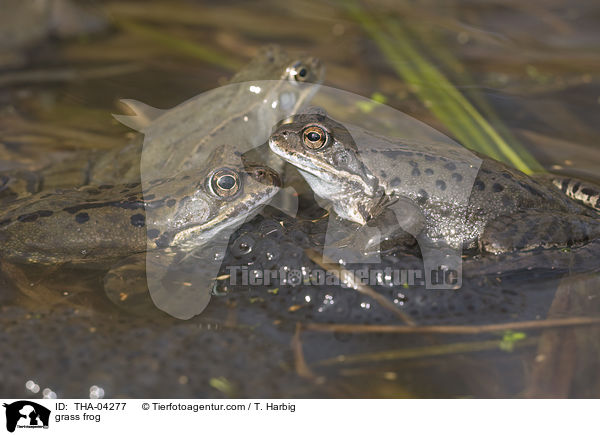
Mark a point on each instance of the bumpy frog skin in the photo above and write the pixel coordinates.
(97, 225)
(507, 210)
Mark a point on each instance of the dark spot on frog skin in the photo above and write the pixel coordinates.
(576, 187)
(395, 182)
(185, 177)
(171, 202)
(457, 177)
(415, 172)
(5, 222)
(132, 205)
(383, 174)
(480, 185)
(422, 196)
(430, 158)
(163, 241)
(441, 184)
(396, 153)
(153, 233)
(82, 217)
(531, 189)
(105, 186)
(132, 185)
(132, 198)
(45, 213)
(450, 166)
(149, 197)
(138, 220)
(507, 175)
(29, 217)
(497, 187)
(93, 192)
(485, 171)
(429, 171)
(374, 151)
(587, 191)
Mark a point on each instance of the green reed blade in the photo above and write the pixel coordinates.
(444, 100)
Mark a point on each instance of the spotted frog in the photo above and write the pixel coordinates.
(505, 210)
(193, 215)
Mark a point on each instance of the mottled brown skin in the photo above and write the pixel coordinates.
(506, 209)
(89, 224)
(96, 224)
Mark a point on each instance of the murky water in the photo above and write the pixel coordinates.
(531, 71)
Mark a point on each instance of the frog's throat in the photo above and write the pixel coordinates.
(364, 184)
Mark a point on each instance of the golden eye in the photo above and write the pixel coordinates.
(298, 72)
(225, 182)
(314, 137)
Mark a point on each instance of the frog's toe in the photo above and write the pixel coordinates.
(533, 229)
(125, 285)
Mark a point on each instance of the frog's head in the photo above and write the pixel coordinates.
(286, 81)
(273, 63)
(328, 158)
(218, 198)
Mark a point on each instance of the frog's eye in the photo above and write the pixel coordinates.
(314, 137)
(298, 72)
(225, 182)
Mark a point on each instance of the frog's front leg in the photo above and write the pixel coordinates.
(531, 229)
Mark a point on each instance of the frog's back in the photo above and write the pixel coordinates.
(460, 191)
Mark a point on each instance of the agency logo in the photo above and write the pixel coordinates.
(24, 414)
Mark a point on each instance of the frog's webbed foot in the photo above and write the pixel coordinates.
(533, 229)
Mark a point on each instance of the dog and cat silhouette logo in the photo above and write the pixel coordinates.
(26, 414)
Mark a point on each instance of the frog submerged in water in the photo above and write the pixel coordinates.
(192, 214)
(362, 173)
(183, 133)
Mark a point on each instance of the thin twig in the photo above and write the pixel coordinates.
(419, 352)
(453, 329)
(320, 260)
(300, 363)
